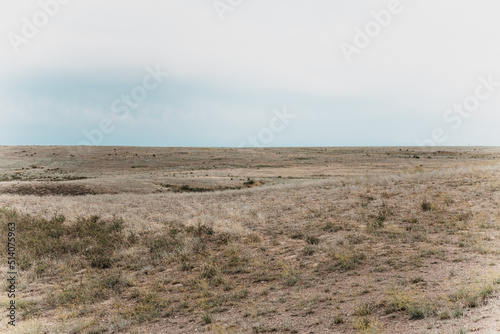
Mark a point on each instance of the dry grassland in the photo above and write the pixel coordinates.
(288, 240)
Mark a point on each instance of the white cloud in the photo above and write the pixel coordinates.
(427, 58)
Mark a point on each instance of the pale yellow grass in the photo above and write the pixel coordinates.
(273, 213)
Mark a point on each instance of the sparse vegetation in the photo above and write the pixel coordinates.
(206, 319)
(416, 312)
(312, 240)
(426, 205)
(363, 310)
(187, 245)
(337, 320)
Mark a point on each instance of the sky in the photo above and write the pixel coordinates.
(250, 73)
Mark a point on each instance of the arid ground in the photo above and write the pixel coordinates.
(281, 240)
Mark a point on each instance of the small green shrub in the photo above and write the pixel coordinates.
(337, 320)
(161, 245)
(332, 227)
(426, 205)
(363, 310)
(308, 250)
(458, 312)
(445, 315)
(312, 240)
(417, 279)
(416, 312)
(346, 260)
(29, 308)
(206, 319)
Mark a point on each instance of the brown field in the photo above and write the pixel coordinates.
(281, 240)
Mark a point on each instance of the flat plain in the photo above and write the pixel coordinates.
(253, 240)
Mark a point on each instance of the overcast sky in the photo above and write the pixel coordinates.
(250, 72)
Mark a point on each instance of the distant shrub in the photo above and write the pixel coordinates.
(308, 250)
(206, 319)
(398, 302)
(312, 240)
(466, 216)
(332, 227)
(363, 310)
(416, 313)
(337, 320)
(346, 260)
(249, 182)
(426, 205)
(297, 235)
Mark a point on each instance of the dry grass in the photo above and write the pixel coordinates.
(384, 252)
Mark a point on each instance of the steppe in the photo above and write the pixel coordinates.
(253, 240)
